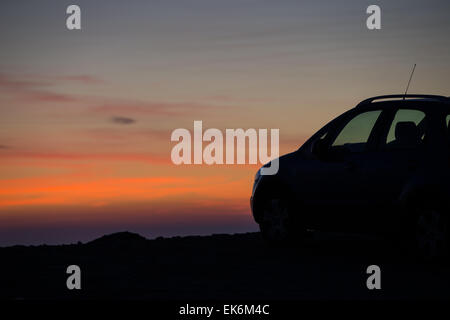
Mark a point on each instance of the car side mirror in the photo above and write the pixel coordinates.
(319, 148)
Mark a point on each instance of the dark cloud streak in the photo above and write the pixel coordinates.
(123, 120)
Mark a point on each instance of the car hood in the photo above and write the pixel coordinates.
(287, 162)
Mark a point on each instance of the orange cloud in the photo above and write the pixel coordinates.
(95, 192)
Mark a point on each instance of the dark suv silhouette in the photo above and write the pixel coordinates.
(383, 166)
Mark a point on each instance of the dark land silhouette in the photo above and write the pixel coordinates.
(220, 267)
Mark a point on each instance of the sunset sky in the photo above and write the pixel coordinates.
(86, 116)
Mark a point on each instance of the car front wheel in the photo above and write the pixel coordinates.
(277, 226)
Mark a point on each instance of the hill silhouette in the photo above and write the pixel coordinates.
(119, 241)
(126, 265)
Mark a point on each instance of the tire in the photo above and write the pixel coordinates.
(431, 234)
(277, 225)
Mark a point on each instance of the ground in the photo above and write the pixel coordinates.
(220, 267)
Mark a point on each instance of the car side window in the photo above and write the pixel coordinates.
(407, 130)
(355, 134)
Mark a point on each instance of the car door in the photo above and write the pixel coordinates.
(398, 157)
(338, 182)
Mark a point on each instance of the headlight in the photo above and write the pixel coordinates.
(255, 183)
(258, 175)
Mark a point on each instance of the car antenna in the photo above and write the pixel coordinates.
(407, 87)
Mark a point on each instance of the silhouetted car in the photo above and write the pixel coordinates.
(383, 166)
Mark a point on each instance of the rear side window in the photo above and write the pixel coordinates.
(407, 130)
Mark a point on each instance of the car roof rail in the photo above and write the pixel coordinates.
(404, 97)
